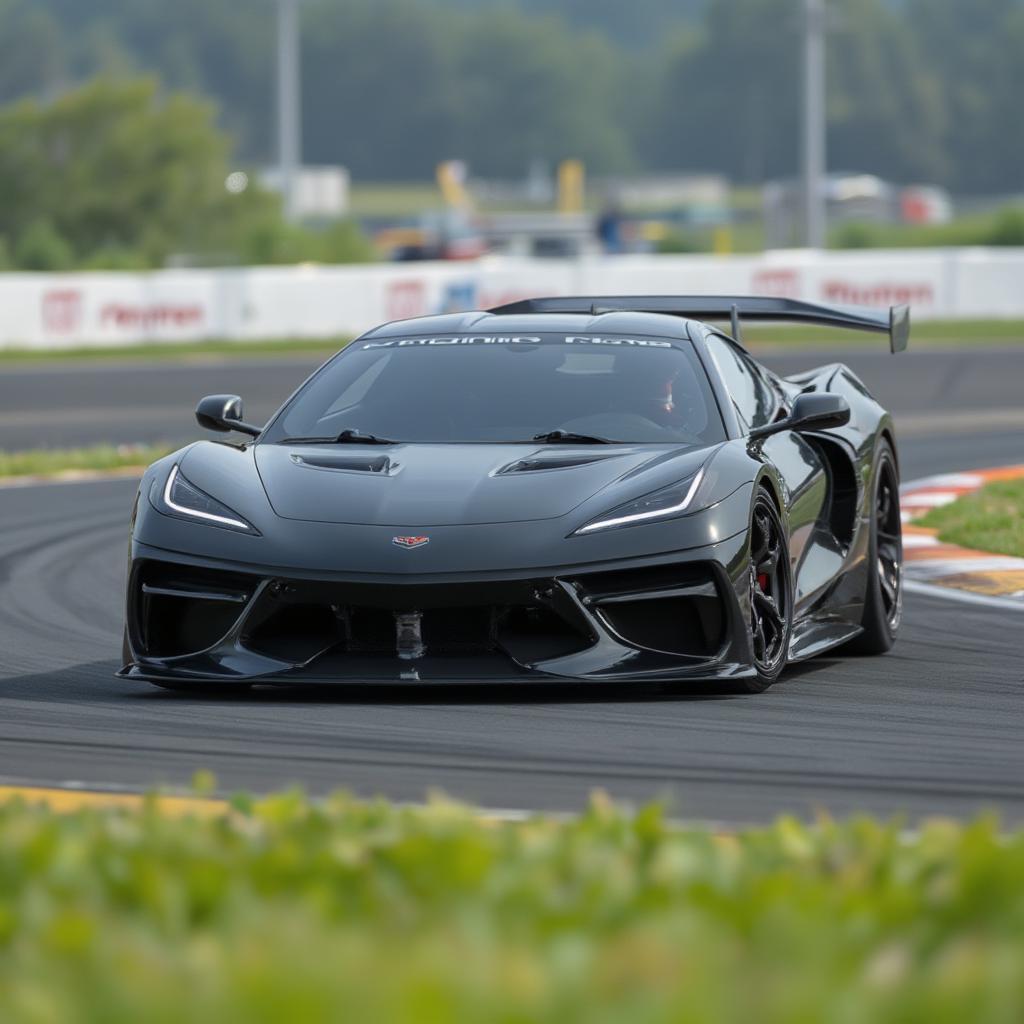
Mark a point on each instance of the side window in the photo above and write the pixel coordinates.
(752, 396)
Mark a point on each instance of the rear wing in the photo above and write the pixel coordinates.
(895, 322)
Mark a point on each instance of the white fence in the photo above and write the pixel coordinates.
(63, 310)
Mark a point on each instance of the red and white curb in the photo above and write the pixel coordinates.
(947, 570)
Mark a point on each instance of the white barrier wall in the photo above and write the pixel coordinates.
(62, 310)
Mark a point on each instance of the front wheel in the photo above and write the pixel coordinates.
(770, 582)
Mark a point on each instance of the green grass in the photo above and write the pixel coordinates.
(1004, 226)
(989, 519)
(923, 334)
(52, 461)
(178, 351)
(346, 911)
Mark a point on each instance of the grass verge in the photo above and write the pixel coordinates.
(928, 333)
(938, 333)
(179, 351)
(286, 910)
(990, 519)
(47, 462)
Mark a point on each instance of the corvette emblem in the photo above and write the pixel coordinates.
(410, 542)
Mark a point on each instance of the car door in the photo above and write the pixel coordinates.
(804, 472)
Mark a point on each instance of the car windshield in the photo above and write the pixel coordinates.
(494, 390)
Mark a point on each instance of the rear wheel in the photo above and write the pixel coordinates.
(883, 596)
(770, 595)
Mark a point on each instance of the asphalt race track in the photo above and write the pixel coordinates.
(936, 727)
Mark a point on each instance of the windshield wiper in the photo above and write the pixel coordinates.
(345, 437)
(568, 437)
(355, 437)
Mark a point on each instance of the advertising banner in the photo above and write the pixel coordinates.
(69, 310)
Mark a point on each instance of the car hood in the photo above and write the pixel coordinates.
(425, 485)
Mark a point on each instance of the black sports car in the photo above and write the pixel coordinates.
(577, 489)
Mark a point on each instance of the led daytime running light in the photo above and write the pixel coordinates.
(185, 510)
(639, 517)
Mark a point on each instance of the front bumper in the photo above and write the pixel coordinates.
(679, 616)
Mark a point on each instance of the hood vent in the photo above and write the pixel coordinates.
(348, 463)
(536, 463)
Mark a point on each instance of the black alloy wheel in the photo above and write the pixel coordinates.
(883, 584)
(889, 544)
(771, 592)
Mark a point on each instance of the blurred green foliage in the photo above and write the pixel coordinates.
(1008, 228)
(41, 247)
(919, 90)
(116, 175)
(1003, 227)
(120, 174)
(286, 910)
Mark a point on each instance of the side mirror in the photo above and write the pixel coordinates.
(224, 413)
(816, 410)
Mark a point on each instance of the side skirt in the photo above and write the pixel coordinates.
(811, 638)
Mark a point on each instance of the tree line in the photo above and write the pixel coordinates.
(120, 175)
(919, 90)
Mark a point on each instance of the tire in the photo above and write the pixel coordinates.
(770, 602)
(883, 592)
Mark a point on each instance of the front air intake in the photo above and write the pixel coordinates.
(183, 610)
(669, 609)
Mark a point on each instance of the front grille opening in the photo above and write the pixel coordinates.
(535, 634)
(455, 630)
(296, 632)
(672, 625)
(371, 630)
(302, 623)
(444, 630)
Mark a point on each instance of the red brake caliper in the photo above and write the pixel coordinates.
(762, 582)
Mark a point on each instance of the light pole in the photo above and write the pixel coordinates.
(814, 125)
(289, 103)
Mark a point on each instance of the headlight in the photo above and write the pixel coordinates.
(663, 504)
(180, 497)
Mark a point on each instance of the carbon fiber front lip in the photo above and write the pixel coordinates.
(724, 672)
